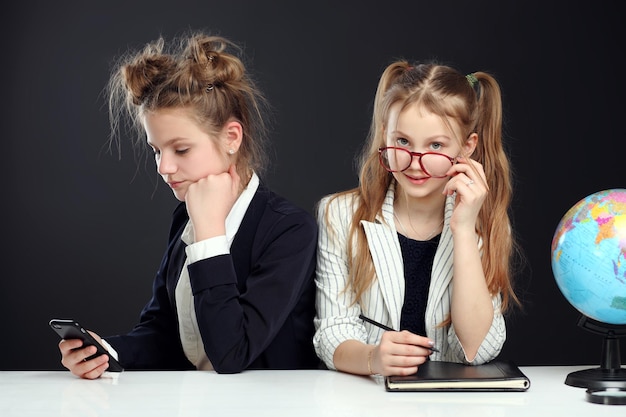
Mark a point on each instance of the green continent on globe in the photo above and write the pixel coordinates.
(589, 256)
(619, 302)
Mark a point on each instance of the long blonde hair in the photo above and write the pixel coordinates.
(474, 103)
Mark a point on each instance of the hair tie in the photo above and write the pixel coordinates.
(473, 82)
(471, 78)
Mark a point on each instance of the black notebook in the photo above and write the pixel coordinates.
(451, 376)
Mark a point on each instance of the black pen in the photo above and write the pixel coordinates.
(389, 329)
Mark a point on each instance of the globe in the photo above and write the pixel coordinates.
(589, 256)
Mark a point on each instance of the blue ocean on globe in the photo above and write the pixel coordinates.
(589, 256)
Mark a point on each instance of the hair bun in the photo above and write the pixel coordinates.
(143, 75)
(210, 61)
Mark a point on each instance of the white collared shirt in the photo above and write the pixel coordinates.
(196, 251)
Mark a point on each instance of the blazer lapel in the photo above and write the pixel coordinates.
(242, 247)
(386, 254)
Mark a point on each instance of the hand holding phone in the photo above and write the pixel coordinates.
(71, 329)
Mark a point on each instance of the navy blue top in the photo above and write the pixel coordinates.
(254, 306)
(418, 257)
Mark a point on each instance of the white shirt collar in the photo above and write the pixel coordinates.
(235, 216)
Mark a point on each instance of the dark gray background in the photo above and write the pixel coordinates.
(84, 231)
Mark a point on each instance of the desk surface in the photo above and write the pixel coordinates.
(277, 393)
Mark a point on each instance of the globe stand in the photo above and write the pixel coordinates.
(606, 384)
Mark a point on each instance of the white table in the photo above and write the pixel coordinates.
(280, 393)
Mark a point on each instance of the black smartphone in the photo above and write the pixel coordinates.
(71, 329)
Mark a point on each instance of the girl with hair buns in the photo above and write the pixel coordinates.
(423, 245)
(235, 289)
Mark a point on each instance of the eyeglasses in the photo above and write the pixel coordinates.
(433, 164)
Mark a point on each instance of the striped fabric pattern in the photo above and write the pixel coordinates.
(337, 320)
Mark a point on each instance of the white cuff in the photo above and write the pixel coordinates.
(110, 349)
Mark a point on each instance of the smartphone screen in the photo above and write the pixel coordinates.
(71, 329)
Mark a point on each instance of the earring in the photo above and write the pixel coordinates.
(231, 151)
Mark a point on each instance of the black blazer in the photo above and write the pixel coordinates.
(254, 306)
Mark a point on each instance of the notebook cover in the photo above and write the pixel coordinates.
(451, 376)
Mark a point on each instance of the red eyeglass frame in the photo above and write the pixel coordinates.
(413, 154)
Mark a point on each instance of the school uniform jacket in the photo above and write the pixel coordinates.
(337, 320)
(254, 306)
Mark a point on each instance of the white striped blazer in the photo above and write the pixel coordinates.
(337, 320)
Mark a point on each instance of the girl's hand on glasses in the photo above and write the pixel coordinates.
(469, 183)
